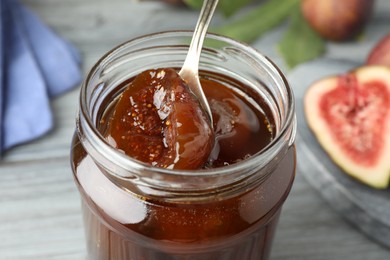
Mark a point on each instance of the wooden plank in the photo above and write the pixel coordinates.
(40, 215)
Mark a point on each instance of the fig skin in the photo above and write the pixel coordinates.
(337, 20)
(377, 174)
(380, 54)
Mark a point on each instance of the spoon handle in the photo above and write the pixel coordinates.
(189, 71)
(192, 60)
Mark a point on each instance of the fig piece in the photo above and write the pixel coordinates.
(159, 121)
(380, 54)
(337, 20)
(350, 116)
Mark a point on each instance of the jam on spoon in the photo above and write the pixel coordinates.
(159, 121)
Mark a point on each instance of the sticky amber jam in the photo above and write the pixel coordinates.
(224, 198)
(123, 222)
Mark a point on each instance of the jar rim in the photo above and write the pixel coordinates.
(98, 141)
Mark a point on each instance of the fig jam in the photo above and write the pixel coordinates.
(158, 120)
(222, 206)
(121, 224)
(240, 129)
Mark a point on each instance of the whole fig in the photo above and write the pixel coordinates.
(337, 20)
(380, 54)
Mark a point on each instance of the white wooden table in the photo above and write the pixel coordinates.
(40, 215)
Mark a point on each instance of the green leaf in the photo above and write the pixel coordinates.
(300, 42)
(261, 19)
(194, 4)
(230, 7)
(226, 7)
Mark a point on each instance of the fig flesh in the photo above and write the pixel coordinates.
(350, 116)
(337, 20)
(380, 54)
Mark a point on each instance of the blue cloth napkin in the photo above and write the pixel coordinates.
(35, 65)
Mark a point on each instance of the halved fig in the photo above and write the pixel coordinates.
(350, 116)
(159, 121)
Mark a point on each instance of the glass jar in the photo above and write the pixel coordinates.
(229, 212)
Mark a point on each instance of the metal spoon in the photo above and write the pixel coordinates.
(189, 71)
